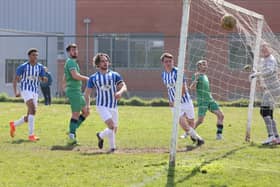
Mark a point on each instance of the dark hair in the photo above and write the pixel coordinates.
(31, 50)
(73, 45)
(166, 55)
(96, 58)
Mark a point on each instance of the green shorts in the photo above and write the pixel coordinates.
(203, 107)
(77, 100)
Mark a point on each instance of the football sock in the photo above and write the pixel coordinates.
(31, 121)
(19, 122)
(220, 128)
(268, 124)
(193, 133)
(111, 137)
(72, 136)
(274, 127)
(104, 133)
(73, 126)
(80, 121)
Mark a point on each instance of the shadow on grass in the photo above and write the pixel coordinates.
(197, 169)
(63, 147)
(170, 176)
(96, 153)
(171, 169)
(20, 141)
(268, 146)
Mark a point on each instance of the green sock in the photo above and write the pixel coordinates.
(73, 126)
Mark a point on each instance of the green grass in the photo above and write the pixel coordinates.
(142, 157)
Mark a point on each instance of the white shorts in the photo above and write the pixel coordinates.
(108, 113)
(27, 95)
(187, 109)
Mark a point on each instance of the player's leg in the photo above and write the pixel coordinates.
(187, 122)
(111, 136)
(202, 109)
(108, 132)
(275, 129)
(84, 113)
(266, 113)
(183, 121)
(32, 105)
(74, 99)
(115, 117)
(214, 108)
(16, 123)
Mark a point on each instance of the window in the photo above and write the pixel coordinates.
(240, 53)
(60, 45)
(196, 49)
(131, 50)
(11, 66)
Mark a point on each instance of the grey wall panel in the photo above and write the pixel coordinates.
(38, 15)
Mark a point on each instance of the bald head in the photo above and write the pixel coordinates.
(265, 50)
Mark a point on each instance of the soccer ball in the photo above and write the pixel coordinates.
(247, 68)
(228, 22)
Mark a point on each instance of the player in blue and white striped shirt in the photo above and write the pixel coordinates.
(29, 74)
(169, 77)
(109, 87)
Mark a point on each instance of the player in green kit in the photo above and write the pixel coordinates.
(73, 92)
(205, 100)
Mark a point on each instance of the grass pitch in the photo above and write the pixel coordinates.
(142, 157)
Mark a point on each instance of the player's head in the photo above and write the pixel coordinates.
(102, 61)
(72, 50)
(167, 60)
(33, 55)
(202, 65)
(265, 50)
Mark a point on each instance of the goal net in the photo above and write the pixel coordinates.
(232, 55)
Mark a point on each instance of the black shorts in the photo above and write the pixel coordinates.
(266, 111)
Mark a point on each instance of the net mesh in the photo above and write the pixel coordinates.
(230, 54)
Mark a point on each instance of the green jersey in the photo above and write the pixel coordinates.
(203, 92)
(71, 84)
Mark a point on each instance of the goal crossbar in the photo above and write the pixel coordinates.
(240, 9)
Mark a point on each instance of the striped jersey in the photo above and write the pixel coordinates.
(106, 87)
(169, 80)
(29, 76)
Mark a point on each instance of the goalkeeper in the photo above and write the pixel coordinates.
(268, 72)
(269, 78)
(205, 100)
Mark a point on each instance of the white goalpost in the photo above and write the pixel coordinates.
(179, 82)
(227, 53)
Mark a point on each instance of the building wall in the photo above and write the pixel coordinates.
(38, 15)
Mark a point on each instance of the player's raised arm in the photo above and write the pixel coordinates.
(194, 82)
